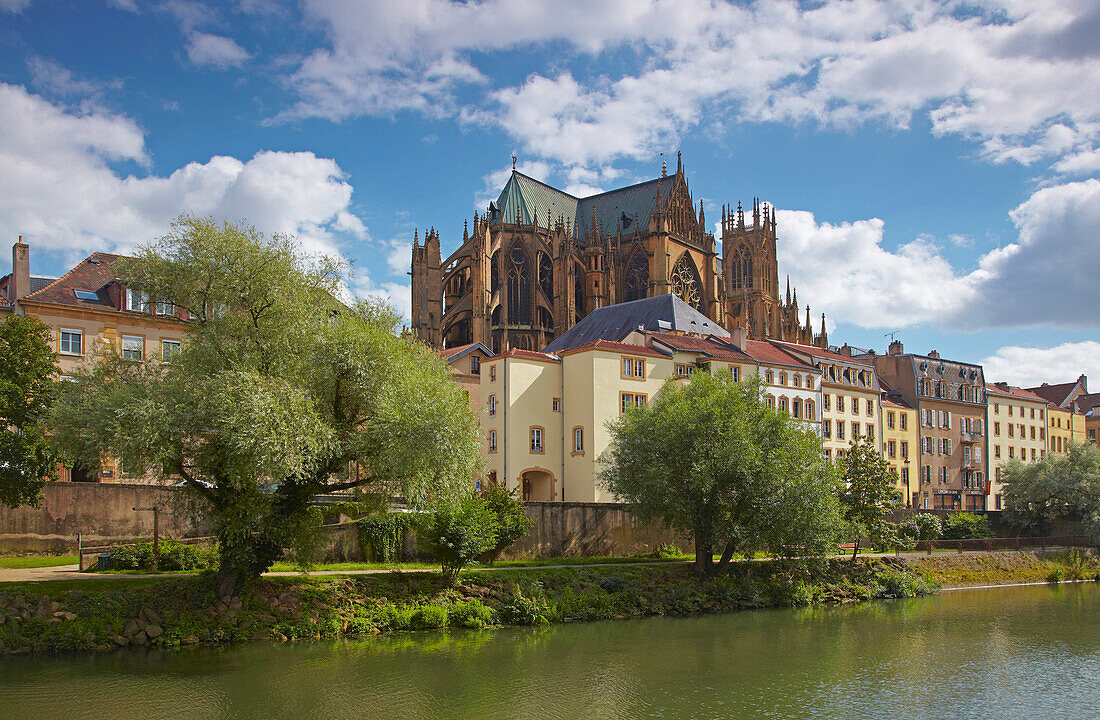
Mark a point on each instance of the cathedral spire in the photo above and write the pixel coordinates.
(416, 239)
(465, 231)
(823, 338)
(679, 164)
(740, 216)
(788, 289)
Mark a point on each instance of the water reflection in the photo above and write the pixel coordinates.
(1015, 653)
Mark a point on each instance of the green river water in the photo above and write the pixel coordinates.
(1029, 652)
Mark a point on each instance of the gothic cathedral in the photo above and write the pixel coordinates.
(540, 259)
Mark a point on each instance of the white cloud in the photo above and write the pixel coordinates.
(1046, 278)
(14, 6)
(215, 50)
(59, 188)
(50, 76)
(1031, 366)
(966, 66)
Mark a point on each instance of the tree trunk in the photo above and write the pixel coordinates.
(727, 555)
(855, 549)
(703, 547)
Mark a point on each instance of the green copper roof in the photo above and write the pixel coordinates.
(527, 201)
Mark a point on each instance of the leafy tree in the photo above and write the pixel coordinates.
(966, 526)
(868, 493)
(28, 387)
(512, 522)
(922, 527)
(709, 457)
(279, 393)
(1057, 487)
(457, 534)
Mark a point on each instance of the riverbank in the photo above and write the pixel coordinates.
(166, 612)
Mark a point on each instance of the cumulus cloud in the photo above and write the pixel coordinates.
(1032, 366)
(215, 50)
(965, 66)
(14, 6)
(1046, 278)
(51, 77)
(60, 187)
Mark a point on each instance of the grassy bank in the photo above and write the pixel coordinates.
(37, 561)
(1002, 568)
(52, 617)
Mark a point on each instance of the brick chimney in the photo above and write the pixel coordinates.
(738, 336)
(934, 354)
(20, 270)
(895, 348)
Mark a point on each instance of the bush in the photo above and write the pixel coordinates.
(428, 617)
(966, 526)
(457, 535)
(525, 609)
(471, 614)
(922, 527)
(668, 551)
(173, 557)
(1055, 576)
(384, 534)
(613, 584)
(512, 522)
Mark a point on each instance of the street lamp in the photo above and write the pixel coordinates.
(908, 494)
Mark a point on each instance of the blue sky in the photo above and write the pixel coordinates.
(934, 164)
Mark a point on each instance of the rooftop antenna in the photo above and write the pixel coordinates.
(892, 334)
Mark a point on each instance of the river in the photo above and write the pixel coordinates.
(1014, 653)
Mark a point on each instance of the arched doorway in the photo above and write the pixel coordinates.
(536, 484)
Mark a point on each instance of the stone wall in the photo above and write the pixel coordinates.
(579, 528)
(102, 513)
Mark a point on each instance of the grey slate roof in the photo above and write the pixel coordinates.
(527, 200)
(614, 322)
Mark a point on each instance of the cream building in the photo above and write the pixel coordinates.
(545, 414)
(900, 441)
(1017, 421)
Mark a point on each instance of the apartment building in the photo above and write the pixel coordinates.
(545, 414)
(89, 311)
(900, 440)
(1066, 418)
(464, 363)
(1017, 422)
(949, 399)
(850, 397)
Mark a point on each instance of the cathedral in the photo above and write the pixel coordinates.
(538, 260)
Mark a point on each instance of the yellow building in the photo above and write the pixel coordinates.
(465, 365)
(900, 441)
(1017, 421)
(1063, 427)
(89, 311)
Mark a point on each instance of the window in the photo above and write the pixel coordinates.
(169, 350)
(1010, 409)
(536, 440)
(827, 429)
(783, 404)
(904, 449)
(686, 370)
(926, 445)
(828, 454)
(839, 430)
(72, 341)
(1011, 451)
(870, 407)
(634, 368)
(825, 402)
(783, 378)
(891, 449)
(578, 440)
(492, 405)
(855, 431)
(137, 301)
(1032, 432)
(996, 428)
(890, 420)
(85, 295)
(492, 441)
(809, 382)
(475, 365)
(628, 401)
(997, 408)
(768, 377)
(840, 403)
(1011, 430)
(796, 408)
(163, 307)
(870, 432)
(796, 380)
(736, 371)
(904, 421)
(996, 451)
(855, 406)
(555, 405)
(133, 347)
(492, 373)
(810, 414)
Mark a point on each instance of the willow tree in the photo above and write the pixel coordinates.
(279, 393)
(709, 457)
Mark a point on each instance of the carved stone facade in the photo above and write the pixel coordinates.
(540, 259)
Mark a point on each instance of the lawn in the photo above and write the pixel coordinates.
(37, 562)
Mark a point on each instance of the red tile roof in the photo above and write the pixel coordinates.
(768, 354)
(448, 352)
(4, 302)
(1009, 391)
(615, 347)
(93, 274)
(1087, 402)
(707, 346)
(1055, 394)
(818, 352)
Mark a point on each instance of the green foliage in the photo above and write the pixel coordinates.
(28, 388)
(526, 608)
(456, 535)
(428, 617)
(921, 528)
(173, 557)
(668, 551)
(709, 457)
(868, 493)
(1057, 487)
(512, 522)
(1056, 576)
(472, 614)
(384, 534)
(279, 393)
(966, 526)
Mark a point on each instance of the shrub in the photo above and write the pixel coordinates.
(457, 535)
(428, 617)
(512, 522)
(922, 527)
(471, 614)
(1055, 576)
(384, 534)
(668, 551)
(613, 584)
(524, 609)
(173, 556)
(966, 526)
